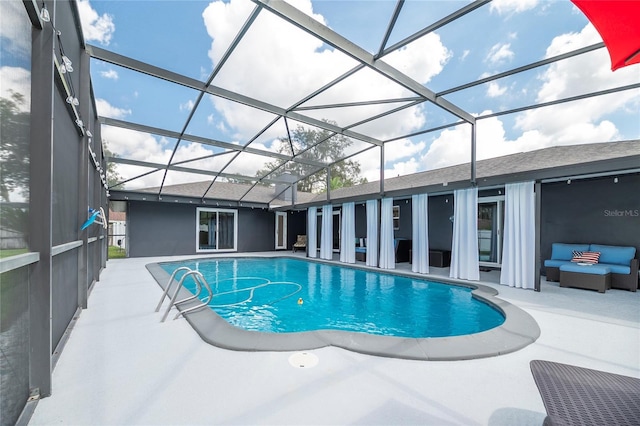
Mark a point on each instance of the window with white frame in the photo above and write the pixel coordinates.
(217, 230)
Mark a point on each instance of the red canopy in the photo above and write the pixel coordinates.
(618, 22)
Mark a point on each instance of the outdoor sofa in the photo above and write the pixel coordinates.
(614, 267)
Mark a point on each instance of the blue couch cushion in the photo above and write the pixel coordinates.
(361, 249)
(553, 263)
(614, 255)
(561, 251)
(617, 269)
(586, 269)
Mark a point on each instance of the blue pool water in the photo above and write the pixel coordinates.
(282, 295)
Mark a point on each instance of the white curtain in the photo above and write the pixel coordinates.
(348, 233)
(420, 233)
(387, 249)
(326, 234)
(464, 246)
(312, 220)
(372, 233)
(519, 245)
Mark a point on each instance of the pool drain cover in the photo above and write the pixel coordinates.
(303, 360)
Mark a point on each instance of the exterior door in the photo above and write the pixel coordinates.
(281, 231)
(490, 222)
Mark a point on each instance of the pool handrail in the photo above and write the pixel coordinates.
(166, 290)
(205, 301)
(199, 280)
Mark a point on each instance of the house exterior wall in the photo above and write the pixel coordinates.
(296, 225)
(405, 230)
(168, 229)
(591, 211)
(440, 225)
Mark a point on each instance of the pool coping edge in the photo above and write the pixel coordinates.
(517, 331)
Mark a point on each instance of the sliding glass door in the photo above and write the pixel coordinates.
(217, 230)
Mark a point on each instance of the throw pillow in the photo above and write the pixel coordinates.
(586, 256)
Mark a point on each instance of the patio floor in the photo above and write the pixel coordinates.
(122, 366)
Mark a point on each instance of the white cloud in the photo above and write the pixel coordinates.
(187, 106)
(581, 74)
(298, 64)
(500, 53)
(494, 90)
(504, 7)
(110, 74)
(95, 27)
(584, 121)
(421, 60)
(453, 146)
(136, 145)
(105, 109)
(12, 30)
(15, 80)
(401, 158)
(401, 168)
(149, 148)
(140, 146)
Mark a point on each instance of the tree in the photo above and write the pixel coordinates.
(317, 146)
(14, 147)
(113, 177)
(14, 163)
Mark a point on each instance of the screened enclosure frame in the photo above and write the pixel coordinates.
(298, 111)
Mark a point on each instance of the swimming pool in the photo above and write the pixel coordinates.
(516, 328)
(286, 295)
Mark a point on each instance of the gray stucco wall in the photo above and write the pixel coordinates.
(167, 229)
(595, 211)
(440, 226)
(591, 211)
(296, 225)
(256, 230)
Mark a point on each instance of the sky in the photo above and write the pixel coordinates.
(279, 64)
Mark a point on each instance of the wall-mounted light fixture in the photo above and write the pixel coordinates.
(44, 13)
(615, 179)
(568, 181)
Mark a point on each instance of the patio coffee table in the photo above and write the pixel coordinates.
(587, 276)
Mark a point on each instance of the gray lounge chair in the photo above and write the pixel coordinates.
(581, 396)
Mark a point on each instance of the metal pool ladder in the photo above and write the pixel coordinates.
(200, 281)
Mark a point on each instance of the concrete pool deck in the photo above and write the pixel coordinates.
(518, 330)
(122, 366)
